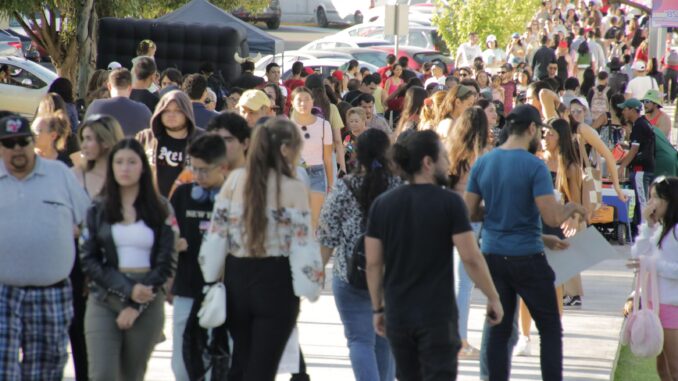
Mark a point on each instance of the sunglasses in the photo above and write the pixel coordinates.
(12, 142)
(306, 134)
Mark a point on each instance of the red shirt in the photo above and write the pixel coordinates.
(292, 84)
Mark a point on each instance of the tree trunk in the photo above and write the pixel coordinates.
(85, 36)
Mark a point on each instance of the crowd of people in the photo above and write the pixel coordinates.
(417, 185)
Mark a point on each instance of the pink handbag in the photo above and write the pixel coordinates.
(643, 331)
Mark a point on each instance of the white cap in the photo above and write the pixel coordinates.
(639, 66)
(490, 38)
(114, 65)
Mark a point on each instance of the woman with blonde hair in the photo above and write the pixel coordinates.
(468, 140)
(429, 110)
(265, 213)
(457, 100)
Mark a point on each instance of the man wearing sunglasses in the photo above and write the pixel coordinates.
(40, 205)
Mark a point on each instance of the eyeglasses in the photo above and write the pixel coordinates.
(646, 101)
(12, 142)
(306, 134)
(201, 171)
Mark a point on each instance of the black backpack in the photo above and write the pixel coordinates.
(356, 261)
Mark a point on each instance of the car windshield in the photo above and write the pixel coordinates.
(372, 43)
(377, 59)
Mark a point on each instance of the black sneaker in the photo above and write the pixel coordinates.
(572, 302)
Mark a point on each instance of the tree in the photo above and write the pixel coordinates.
(67, 29)
(455, 19)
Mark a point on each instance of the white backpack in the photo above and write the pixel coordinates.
(599, 103)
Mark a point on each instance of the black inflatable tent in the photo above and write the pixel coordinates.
(205, 13)
(182, 46)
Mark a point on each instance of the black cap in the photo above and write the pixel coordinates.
(525, 114)
(314, 81)
(14, 126)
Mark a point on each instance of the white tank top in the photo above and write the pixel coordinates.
(134, 243)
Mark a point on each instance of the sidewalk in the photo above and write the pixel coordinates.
(590, 334)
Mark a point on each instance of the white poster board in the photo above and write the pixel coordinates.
(587, 249)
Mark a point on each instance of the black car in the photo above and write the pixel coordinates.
(271, 15)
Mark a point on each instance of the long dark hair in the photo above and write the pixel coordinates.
(372, 147)
(265, 154)
(615, 100)
(279, 100)
(148, 205)
(568, 155)
(414, 100)
(667, 190)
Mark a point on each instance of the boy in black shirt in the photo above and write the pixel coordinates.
(410, 236)
(640, 158)
(192, 205)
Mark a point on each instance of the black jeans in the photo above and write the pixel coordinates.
(671, 79)
(262, 310)
(426, 353)
(532, 278)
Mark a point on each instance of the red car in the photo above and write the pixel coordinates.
(418, 56)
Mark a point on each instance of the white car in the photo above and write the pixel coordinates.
(27, 85)
(286, 59)
(334, 41)
(425, 37)
(324, 12)
(325, 66)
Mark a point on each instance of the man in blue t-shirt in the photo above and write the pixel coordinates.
(517, 190)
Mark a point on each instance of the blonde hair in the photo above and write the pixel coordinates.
(107, 132)
(428, 112)
(57, 122)
(357, 111)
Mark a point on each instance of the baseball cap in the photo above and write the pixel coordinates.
(254, 100)
(14, 126)
(525, 114)
(639, 66)
(114, 65)
(439, 64)
(631, 103)
(515, 35)
(338, 74)
(653, 96)
(491, 38)
(314, 81)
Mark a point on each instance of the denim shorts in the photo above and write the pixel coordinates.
(316, 174)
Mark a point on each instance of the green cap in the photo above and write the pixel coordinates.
(631, 103)
(654, 97)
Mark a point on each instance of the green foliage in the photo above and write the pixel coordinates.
(455, 19)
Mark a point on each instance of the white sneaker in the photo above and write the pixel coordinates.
(524, 346)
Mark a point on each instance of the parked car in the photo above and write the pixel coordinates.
(332, 42)
(418, 56)
(325, 66)
(271, 15)
(27, 84)
(369, 55)
(426, 37)
(286, 59)
(325, 12)
(10, 45)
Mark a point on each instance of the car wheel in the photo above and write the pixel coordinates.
(322, 18)
(273, 24)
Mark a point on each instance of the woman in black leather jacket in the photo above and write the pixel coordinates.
(127, 252)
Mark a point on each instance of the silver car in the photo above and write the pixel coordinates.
(26, 86)
(10, 45)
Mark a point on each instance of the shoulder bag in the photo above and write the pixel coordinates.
(591, 190)
(642, 330)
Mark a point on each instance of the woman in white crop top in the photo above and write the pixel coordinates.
(263, 213)
(127, 252)
(659, 239)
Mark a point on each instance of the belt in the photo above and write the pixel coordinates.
(59, 284)
(518, 258)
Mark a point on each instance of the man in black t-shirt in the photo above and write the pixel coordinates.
(410, 236)
(640, 158)
(193, 205)
(144, 71)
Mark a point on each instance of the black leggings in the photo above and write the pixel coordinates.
(77, 329)
(262, 311)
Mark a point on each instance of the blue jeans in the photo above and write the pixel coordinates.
(182, 308)
(531, 277)
(317, 177)
(370, 353)
(463, 287)
(513, 340)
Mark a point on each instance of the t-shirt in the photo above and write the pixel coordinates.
(509, 181)
(509, 93)
(133, 116)
(643, 136)
(193, 218)
(171, 154)
(542, 58)
(316, 136)
(468, 53)
(415, 224)
(293, 83)
(146, 97)
(352, 97)
(638, 86)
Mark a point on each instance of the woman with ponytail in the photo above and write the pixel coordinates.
(342, 225)
(264, 212)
